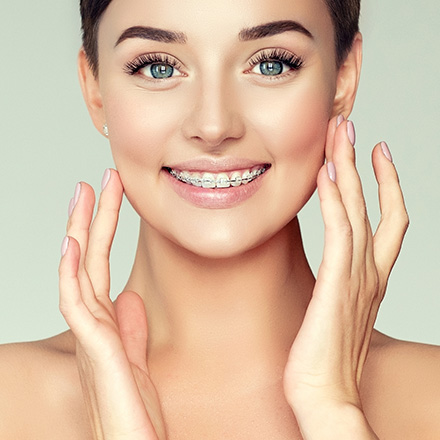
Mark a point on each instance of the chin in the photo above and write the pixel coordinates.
(219, 244)
(226, 241)
(218, 250)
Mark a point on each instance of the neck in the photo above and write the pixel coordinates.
(195, 303)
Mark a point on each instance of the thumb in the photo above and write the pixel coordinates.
(132, 320)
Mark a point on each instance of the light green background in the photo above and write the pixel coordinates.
(48, 144)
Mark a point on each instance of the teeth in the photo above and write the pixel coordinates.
(235, 178)
(196, 179)
(185, 176)
(221, 180)
(208, 180)
(246, 178)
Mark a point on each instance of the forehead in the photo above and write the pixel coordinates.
(215, 19)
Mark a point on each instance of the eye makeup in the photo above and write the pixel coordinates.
(148, 59)
(274, 63)
(276, 56)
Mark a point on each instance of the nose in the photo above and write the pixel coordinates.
(213, 116)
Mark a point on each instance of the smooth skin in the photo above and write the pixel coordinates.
(326, 362)
(45, 386)
(222, 331)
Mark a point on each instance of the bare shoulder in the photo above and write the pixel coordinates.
(400, 389)
(40, 390)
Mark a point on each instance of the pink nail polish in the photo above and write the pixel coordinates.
(105, 179)
(64, 246)
(351, 133)
(340, 120)
(77, 194)
(71, 206)
(331, 170)
(386, 151)
(75, 198)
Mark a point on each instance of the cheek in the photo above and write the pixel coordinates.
(294, 123)
(141, 123)
(293, 129)
(302, 139)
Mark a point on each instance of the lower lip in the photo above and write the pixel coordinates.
(215, 198)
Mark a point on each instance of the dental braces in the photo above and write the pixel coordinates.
(207, 182)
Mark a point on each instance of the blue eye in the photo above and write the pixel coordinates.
(271, 68)
(160, 71)
(154, 66)
(275, 62)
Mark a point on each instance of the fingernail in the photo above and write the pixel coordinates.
(71, 206)
(64, 246)
(75, 198)
(386, 151)
(351, 133)
(77, 194)
(340, 120)
(331, 170)
(105, 178)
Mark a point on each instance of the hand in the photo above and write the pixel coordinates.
(327, 357)
(111, 340)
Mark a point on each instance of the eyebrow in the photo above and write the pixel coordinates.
(151, 33)
(247, 34)
(272, 28)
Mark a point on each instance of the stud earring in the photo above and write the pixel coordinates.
(105, 130)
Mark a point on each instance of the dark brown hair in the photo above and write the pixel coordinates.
(344, 15)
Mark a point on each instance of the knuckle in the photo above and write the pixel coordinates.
(363, 214)
(63, 273)
(369, 283)
(398, 218)
(375, 287)
(406, 220)
(340, 228)
(401, 220)
(65, 309)
(356, 203)
(107, 204)
(345, 230)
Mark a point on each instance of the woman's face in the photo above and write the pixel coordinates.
(207, 92)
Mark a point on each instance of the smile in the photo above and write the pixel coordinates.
(218, 180)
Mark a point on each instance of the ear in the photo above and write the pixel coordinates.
(348, 79)
(91, 91)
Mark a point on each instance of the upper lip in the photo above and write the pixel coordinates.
(216, 165)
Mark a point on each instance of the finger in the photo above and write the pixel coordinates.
(350, 187)
(394, 218)
(392, 227)
(132, 321)
(78, 227)
(330, 140)
(338, 244)
(102, 233)
(71, 302)
(81, 208)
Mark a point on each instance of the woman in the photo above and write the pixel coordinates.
(220, 116)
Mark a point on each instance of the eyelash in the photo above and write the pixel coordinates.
(294, 62)
(289, 59)
(145, 60)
